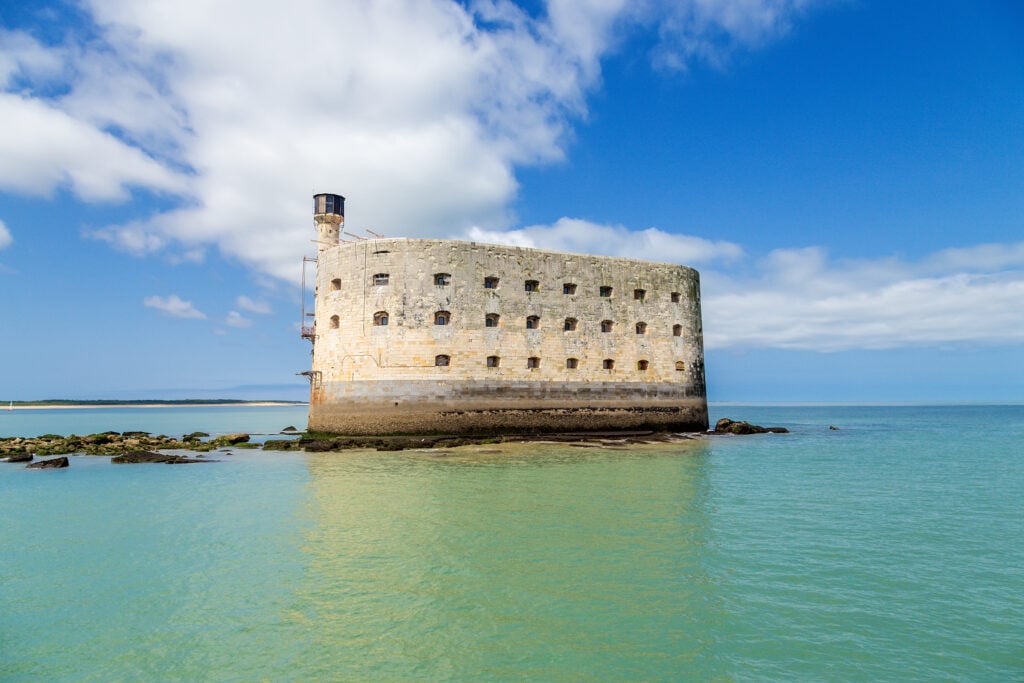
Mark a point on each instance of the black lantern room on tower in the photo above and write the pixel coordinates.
(328, 204)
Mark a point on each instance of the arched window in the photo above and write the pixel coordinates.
(532, 363)
(532, 322)
(641, 328)
(493, 361)
(381, 279)
(570, 324)
(675, 297)
(335, 322)
(442, 361)
(532, 286)
(380, 318)
(442, 318)
(608, 364)
(336, 284)
(568, 288)
(639, 294)
(680, 366)
(677, 330)
(491, 320)
(572, 363)
(607, 325)
(442, 279)
(641, 365)
(606, 291)
(490, 283)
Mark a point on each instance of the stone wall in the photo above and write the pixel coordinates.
(377, 343)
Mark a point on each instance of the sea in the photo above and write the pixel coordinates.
(888, 549)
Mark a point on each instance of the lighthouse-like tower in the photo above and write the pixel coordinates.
(329, 214)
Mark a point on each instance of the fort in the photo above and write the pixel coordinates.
(426, 336)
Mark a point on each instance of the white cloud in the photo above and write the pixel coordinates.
(801, 299)
(426, 101)
(580, 236)
(236, 319)
(173, 306)
(253, 306)
(5, 236)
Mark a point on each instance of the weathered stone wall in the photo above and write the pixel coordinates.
(372, 378)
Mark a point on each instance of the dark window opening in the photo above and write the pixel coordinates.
(675, 297)
(335, 322)
(490, 283)
(532, 363)
(491, 320)
(532, 323)
(493, 361)
(380, 318)
(608, 364)
(641, 365)
(442, 361)
(380, 279)
(606, 325)
(572, 363)
(606, 291)
(335, 284)
(677, 330)
(568, 288)
(532, 286)
(442, 318)
(570, 324)
(641, 328)
(639, 294)
(442, 279)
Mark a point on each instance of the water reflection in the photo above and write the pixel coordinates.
(535, 561)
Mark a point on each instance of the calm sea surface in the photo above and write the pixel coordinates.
(891, 549)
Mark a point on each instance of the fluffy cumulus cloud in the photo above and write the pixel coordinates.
(580, 236)
(173, 306)
(5, 236)
(236, 319)
(420, 110)
(253, 306)
(802, 299)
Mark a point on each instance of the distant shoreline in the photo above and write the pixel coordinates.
(151, 404)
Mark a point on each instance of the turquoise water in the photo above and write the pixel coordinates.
(887, 550)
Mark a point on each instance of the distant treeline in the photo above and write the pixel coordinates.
(154, 401)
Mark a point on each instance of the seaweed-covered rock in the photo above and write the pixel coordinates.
(17, 457)
(727, 426)
(141, 456)
(231, 439)
(51, 464)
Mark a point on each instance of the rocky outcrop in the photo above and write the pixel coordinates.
(17, 457)
(231, 439)
(51, 464)
(149, 456)
(727, 426)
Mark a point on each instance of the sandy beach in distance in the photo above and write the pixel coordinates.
(76, 406)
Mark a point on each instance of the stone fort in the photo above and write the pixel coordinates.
(425, 336)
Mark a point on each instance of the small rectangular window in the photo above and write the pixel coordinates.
(568, 288)
(490, 283)
(532, 286)
(675, 297)
(639, 294)
(571, 363)
(606, 291)
(380, 279)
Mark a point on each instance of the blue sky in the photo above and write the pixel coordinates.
(848, 176)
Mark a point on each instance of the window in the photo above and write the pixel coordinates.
(380, 318)
(677, 330)
(641, 365)
(568, 288)
(570, 324)
(491, 320)
(680, 366)
(641, 328)
(490, 283)
(608, 364)
(532, 322)
(532, 363)
(335, 322)
(607, 325)
(335, 284)
(442, 361)
(380, 279)
(572, 363)
(442, 318)
(639, 294)
(675, 297)
(532, 286)
(442, 279)
(493, 361)
(606, 291)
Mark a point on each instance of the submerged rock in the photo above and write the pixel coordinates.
(727, 426)
(51, 464)
(133, 457)
(17, 457)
